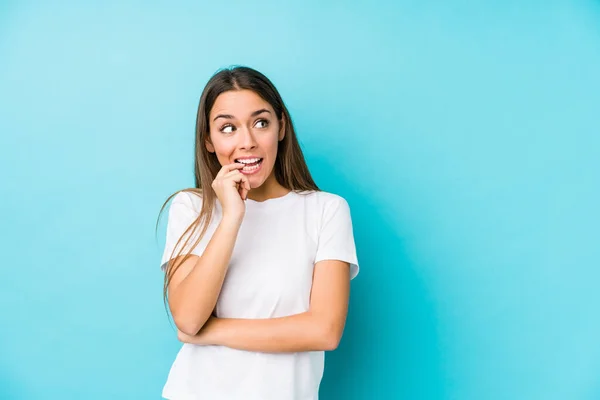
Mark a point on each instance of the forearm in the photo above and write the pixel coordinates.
(295, 333)
(194, 298)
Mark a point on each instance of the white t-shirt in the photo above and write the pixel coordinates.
(269, 275)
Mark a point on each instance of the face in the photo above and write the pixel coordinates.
(244, 126)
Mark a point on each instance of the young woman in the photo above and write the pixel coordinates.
(258, 260)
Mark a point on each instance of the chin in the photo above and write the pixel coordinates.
(254, 183)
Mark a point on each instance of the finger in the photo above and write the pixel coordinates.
(246, 187)
(232, 174)
(243, 186)
(228, 168)
(244, 182)
(240, 181)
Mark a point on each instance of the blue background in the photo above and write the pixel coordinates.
(464, 135)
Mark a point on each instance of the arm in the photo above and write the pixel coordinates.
(195, 286)
(320, 328)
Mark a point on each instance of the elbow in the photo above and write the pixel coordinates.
(330, 339)
(331, 343)
(327, 332)
(186, 330)
(188, 327)
(188, 320)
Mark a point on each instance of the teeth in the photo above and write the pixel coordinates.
(248, 169)
(248, 161)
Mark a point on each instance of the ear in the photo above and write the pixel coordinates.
(282, 128)
(209, 146)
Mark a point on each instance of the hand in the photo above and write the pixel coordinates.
(232, 187)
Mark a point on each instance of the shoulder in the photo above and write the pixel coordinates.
(325, 200)
(326, 197)
(191, 199)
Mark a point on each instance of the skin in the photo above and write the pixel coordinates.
(236, 130)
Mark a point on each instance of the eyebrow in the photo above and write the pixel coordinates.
(254, 114)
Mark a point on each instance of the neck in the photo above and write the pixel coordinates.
(268, 190)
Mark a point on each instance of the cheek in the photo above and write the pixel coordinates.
(271, 145)
(223, 148)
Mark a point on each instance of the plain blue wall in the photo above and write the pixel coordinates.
(464, 136)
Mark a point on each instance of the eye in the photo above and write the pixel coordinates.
(264, 123)
(227, 128)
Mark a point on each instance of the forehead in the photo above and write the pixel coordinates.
(239, 103)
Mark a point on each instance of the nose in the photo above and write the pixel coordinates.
(247, 140)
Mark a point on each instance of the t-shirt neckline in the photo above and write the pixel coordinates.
(274, 200)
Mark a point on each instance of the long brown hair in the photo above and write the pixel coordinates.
(290, 167)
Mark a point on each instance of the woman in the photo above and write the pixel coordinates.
(258, 260)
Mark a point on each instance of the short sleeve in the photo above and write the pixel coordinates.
(182, 213)
(336, 237)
